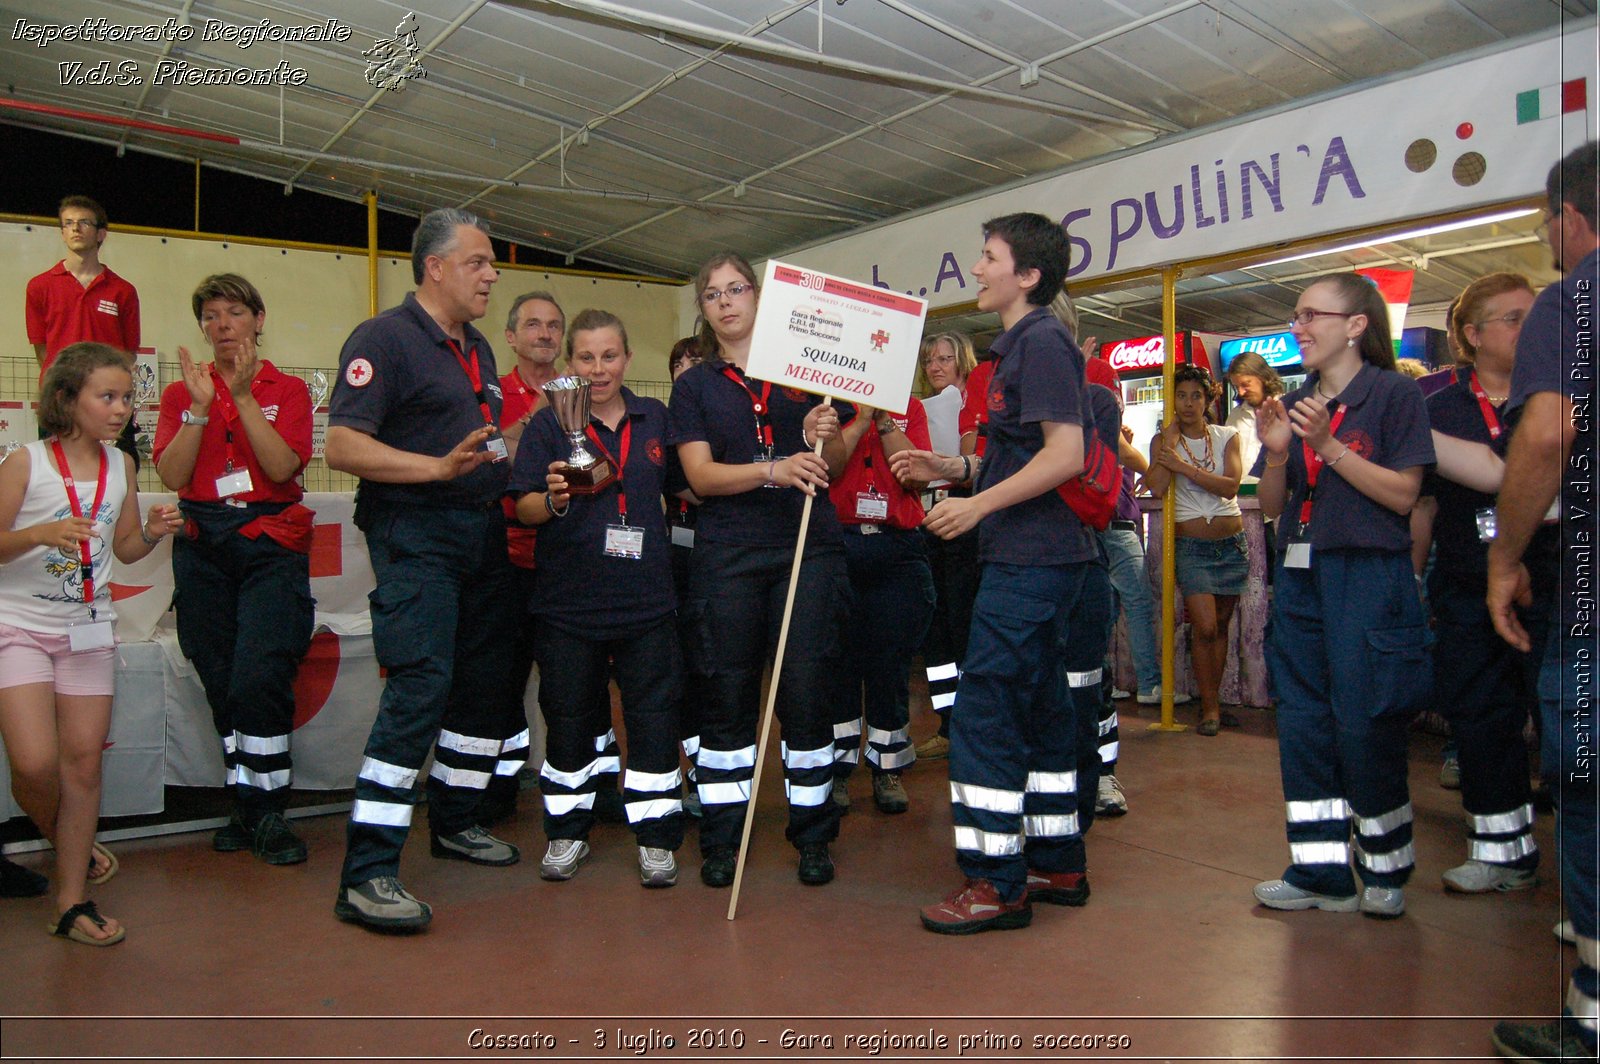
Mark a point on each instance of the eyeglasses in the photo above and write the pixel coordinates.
(79, 223)
(733, 291)
(1307, 316)
(939, 360)
(1514, 319)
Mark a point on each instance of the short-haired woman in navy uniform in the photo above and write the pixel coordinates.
(746, 448)
(1342, 459)
(602, 598)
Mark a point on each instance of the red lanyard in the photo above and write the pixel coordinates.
(758, 403)
(474, 378)
(1314, 465)
(1491, 417)
(84, 557)
(229, 411)
(618, 464)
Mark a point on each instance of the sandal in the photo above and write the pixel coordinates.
(67, 926)
(105, 857)
(1207, 727)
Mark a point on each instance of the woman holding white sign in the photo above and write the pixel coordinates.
(746, 448)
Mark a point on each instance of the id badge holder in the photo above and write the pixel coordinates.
(624, 541)
(762, 458)
(496, 446)
(870, 506)
(89, 635)
(1297, 552)
(233, 482)
(1486, 524)
(682, 536)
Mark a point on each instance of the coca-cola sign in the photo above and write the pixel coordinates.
(1140, 353)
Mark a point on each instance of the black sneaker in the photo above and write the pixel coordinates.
(476, 846)
(275, 843)
(233, 836)
(717, 868)
(1558, 1040)
(383, 904)
(19, 882)
(816, 867)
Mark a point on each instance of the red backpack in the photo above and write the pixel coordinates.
(1092, 494)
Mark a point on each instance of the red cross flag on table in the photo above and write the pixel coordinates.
(843, 340)
(835, 337)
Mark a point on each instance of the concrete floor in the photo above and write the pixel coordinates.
(226, 957)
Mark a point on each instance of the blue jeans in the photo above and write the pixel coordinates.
(1125, 553)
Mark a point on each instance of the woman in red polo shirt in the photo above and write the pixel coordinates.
(232, 440)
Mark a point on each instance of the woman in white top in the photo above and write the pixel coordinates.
(68, 504)
(1211, 558)
(1255, 381)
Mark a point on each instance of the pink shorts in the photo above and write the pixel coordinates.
(42, 657)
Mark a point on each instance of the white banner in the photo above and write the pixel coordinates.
(829, 336)
(1474, 133)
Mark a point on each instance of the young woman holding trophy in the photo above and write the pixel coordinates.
(590, 471)
(747, 450)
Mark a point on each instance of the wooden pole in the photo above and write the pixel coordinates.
(772, 690)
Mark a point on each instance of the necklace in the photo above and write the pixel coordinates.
(1183, 442)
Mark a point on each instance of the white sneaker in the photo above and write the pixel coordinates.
(563, 858)
(1152, 697)
(657, 867)
(1565, 933)
(1479, 877)
(1385, 903)
(1119, 694)
(1109, 799)
(1281, 894)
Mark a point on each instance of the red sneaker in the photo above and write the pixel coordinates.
(977, 906)
(1059, 888)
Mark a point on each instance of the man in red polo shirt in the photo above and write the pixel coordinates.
(80, 299)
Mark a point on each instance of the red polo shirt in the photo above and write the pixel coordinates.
(975, 408)
(286, 403)
(868, 470)
(516, 398)
(61, 311)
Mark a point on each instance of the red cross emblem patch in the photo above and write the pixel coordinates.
(358, 374)
(878, 339)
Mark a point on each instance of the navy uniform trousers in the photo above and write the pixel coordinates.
(1083, 656)
(571, 668)
(245, 616)
(1347, 650)
(444, 585)
(1013, 743)
(735, 611)
(892, 593)
(1485, 688)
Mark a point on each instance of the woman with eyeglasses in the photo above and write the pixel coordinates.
(1342, 461)
(1483, 685)
(747, 450)
(948, 360)
(1212, 561)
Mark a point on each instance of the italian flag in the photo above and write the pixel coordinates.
(1550, 101)
(1395, 285)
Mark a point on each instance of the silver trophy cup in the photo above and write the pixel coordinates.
(585, 472)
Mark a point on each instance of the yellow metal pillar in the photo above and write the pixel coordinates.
(1169, 588)
(372, 252)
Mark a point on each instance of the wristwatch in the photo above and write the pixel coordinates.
(189, 417)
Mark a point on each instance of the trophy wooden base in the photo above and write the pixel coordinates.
(588, 480)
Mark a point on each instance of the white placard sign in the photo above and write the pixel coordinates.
(829, 336)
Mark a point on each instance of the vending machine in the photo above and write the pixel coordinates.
(1138, 363)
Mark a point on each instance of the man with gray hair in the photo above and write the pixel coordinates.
(415, 416)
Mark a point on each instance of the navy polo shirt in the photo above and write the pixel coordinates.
(400, 383)
(1454, 411)
(709, 408)
(1386, 422)
(1556, 352)
(577, 586)
(1038, 377)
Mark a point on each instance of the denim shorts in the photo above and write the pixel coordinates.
(1213, 566)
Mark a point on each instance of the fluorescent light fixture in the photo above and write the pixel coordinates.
(1412, 234)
